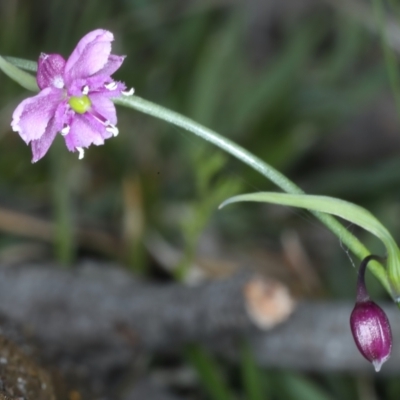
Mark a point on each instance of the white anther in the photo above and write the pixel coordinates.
(65, 130)
(81, 152)
(111, 85)
(113, 129)
(85, 90)
(128, 92)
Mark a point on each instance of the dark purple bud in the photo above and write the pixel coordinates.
(369, 324)
(371, 331)
(50, 71)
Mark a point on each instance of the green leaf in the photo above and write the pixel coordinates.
(343, 209)
(297, 387)
(26, 80)
(330, 205)
(27, 65)
(204, 101)
(209, 373)
(251, 375)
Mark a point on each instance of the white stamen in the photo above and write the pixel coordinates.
(128, 92)
(81, 152)
(85, 90)
(111, 85)
(113, 129)
(65, 130)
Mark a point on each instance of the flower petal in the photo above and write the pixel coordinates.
(90, 55)
(32, 116)
(113, 63)
(50, 71)
(87, 39)
(85, 130)
(42, 145)
(104, 106)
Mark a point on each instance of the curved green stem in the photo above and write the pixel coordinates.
(257, 164)
(9, 66)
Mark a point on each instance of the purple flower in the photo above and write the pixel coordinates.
(369, 324)
(74, 98)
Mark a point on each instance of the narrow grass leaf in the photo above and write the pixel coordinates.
(251, 376)
(348, 211)
(209, 373)
(21, 63)
(296, 387)
(26, 80)
(343, 209)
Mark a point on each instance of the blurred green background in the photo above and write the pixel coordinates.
(301, 84)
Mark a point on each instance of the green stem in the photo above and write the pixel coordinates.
(257, 164)
(64, 231)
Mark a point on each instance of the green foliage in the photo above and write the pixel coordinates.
(211, 188)
(347, 211)
(294, 386)
(209, 373)
(23, 78)
(251, 375)
(23, 64)
(255, 383)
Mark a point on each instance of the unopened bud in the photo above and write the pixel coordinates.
(369, 324)
(371, 331)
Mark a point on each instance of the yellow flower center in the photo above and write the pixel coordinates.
(80, 104)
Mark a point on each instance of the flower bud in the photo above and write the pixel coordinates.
(371, 331)
(369, 324)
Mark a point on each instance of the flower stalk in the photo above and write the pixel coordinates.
(257, 164)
